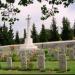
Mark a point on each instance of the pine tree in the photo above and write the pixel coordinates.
(66, 30)
(5, 35)
(17, 40)
(54, 35)
(43, 36)
(10, 35)
(34, 34)
(48, 33)
(24, 33)
(74, 29)
(22, 40)
(1, 36)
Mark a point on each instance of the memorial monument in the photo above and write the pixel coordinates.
(28, 45)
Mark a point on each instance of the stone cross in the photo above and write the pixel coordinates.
(28, 34)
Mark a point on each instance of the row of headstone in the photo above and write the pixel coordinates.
(41, 60)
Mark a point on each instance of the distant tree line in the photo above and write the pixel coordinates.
(45, 35)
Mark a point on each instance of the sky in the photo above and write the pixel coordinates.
(35, 13)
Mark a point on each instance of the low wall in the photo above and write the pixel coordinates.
(43, 45)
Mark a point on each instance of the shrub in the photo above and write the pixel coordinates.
(15, 57)
(30, 65)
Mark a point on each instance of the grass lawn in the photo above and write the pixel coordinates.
(51, 68)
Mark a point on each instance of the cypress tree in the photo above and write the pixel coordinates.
(11, 36)
(5, 35)
(66, 30)
(43, 36)
(34, 34)
(74, 29)
(24, 33)
(54, 35)
(1, 36)
(22, 40)
(48, 33)
(17, 40)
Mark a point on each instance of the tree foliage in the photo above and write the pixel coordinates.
(34, 34)
(17, 40)
(54, 32)
(74, 29)
(66, 30)
(43, 35)
(6, 35)
(48, 12)
(10, 35)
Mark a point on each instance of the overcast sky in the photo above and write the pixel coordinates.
(35, 12)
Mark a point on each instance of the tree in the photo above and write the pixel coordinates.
(54, 35)
(17, 40)
(48, 34)
(22, 40)
(10, 35)
(74, 29)
(5, 35)
(66, 30)
(43, 36)
(1, 36)
(48, 12)
(34, 34)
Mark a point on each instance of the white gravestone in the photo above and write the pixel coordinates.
(56, 54)
(9, 62)
(71, 53)
(62, 59)
(23, 58)
(41, 60)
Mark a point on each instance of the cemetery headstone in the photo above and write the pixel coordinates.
(62, 59)
(23, 58)
(71, 53)
(56, 54)
(9, 62)
(41, 60)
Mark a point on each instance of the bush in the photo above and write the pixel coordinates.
(15, 57)
(46, 51)
(30, 66)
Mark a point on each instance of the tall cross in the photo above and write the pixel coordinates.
(28, 21)
(28, 26)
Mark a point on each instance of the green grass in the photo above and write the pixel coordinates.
(51, 67)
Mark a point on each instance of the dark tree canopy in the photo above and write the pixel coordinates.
(43, 35)
(54, 32)
(17, 40)
(74, 29)
(34, 34)
(66, 30)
